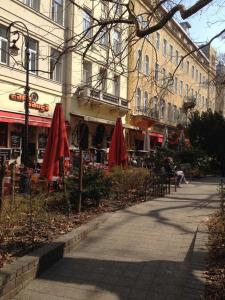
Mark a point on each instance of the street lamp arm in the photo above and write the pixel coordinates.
(19, 23)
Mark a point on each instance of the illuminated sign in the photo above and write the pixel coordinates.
(33, 98)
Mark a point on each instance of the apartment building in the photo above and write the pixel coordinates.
(40, 22)
(166, 83)
(98, 78)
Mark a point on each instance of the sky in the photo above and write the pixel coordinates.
(207, 23)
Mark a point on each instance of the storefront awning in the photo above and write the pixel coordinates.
(158, 136)
(11, 117)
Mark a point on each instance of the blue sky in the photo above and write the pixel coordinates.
(207, 23)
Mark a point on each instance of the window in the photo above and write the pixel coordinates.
(3, 134)
(33, 62)
(87, 72)
(192, 93)
(139, 60)
(188, 66)
(175, 84)
(104, 9)
(103, 79)
(145, 101)
(196, 75)
(170, 82)
(187, 90)
(156, 71)
(203, 101)
(116, 85)
(182, 62)
(117, 41)
(3, 45)
(147, 67)
(55, 66)
(87, 23)
(193, 72)
(163, 76)
(196, 96)
(162, 109)
(164, 47)
(203, 80)
(35, 4)
(157, 41)
(118, 7)
(181, 88)
(174, 113)
(57, 11)
(138, 99)
(177, 57)
(171, 53)
(200, 78)
(104, 37)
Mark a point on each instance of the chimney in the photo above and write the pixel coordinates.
(186, 26)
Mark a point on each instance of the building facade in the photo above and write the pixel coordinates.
(166, 83)
(43, 20)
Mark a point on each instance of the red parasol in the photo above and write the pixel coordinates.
(117, 150)
(57, 145)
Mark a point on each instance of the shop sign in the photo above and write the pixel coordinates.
(33, 98)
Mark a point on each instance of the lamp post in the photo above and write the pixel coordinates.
(14, 52)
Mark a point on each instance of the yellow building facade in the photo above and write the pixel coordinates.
(166, 82)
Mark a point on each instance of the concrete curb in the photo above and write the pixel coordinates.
(18, 274)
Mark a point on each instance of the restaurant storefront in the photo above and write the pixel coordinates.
(12, 119)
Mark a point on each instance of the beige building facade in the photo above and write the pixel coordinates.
(166, 82)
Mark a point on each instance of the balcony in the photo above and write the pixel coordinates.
(89, 93)
(189, 103)
(146, 112)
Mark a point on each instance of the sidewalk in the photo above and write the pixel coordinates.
(155, 250)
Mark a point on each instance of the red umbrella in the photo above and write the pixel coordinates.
(57, 145)
(117, 150)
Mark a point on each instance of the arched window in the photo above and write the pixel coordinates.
(145, 101)
(139, 60)
(138, 99)
(147, 69)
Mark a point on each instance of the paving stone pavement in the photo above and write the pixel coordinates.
(154, 250)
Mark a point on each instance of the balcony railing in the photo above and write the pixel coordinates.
(87, 92)
(189, 103)
(146, 112)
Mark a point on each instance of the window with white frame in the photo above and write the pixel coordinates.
(193, 72)
(157, 41)
(199, 100)
(87, 72)
(138, 99)
(145, 101)
(35, 4)
(188, 67)
(163, 76)
(156, 71)
(182, 62)
(55, 66)
(33, 59)
(164, 47)
(187, 90)
(196, 75)
(147, 65)
(3, 45)
(104, 40)
(57, 11)
(175, 84)
(200, 78)
(174, 113)
(103, 79)
(116, 85)
(196, 96)
(116, 41)
(177, 57)
(203, 101)
(171, 53)
(181, 88)
(169, 112)
(87, 23)
(203, 80)
(139, 60)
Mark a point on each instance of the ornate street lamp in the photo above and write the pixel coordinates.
(13, 49)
